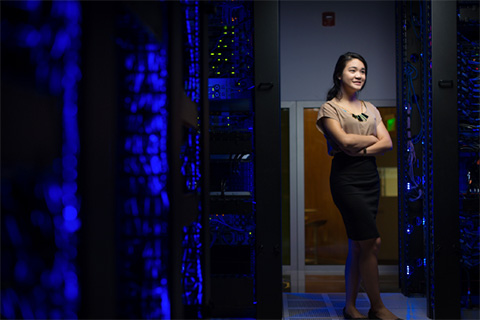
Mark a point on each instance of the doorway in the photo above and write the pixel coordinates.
(315, 244)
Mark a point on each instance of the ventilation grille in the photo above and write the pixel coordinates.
(306, 306)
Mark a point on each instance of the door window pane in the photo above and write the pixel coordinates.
(325, 237)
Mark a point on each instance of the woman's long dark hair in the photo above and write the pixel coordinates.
(341, 63)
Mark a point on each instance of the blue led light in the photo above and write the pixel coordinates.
(192, 245)
(69, 213)
(53, 41)
(145, 199)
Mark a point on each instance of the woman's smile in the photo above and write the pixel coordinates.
(354, 75)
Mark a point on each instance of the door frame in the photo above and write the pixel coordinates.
(297, 268)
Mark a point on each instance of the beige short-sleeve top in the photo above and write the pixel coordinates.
(348, 123)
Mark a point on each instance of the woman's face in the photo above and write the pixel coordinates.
(353, 76)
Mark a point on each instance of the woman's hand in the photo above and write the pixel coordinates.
(383, 144)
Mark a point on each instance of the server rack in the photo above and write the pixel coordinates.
(144, 161)
(155, 71)
(268, 164)
(41, 206)
(468, 82)
(427, 35)
(189, 157)
(412, 64)
(244, 159)
(443, 267)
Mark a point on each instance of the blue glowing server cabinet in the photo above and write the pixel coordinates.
(144, 140)
(138, 180)
(243, 91)
(438, 101)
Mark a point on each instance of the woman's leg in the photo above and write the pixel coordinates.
(368, 265)
(352, 278)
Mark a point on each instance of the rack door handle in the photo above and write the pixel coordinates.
(265, 86)
(445, 83)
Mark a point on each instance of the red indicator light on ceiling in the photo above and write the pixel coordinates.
(328, 19)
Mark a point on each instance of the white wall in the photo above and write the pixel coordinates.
(309, 51)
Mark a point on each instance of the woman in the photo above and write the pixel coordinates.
(356, 134)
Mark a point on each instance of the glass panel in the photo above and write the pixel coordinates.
(387, 217)
(285, 127)
(325, 237)
(389, 184)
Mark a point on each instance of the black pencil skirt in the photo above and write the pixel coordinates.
(355, 187)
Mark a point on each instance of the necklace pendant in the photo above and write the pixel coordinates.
(361, 117)
(364, 116)
(357, 117)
